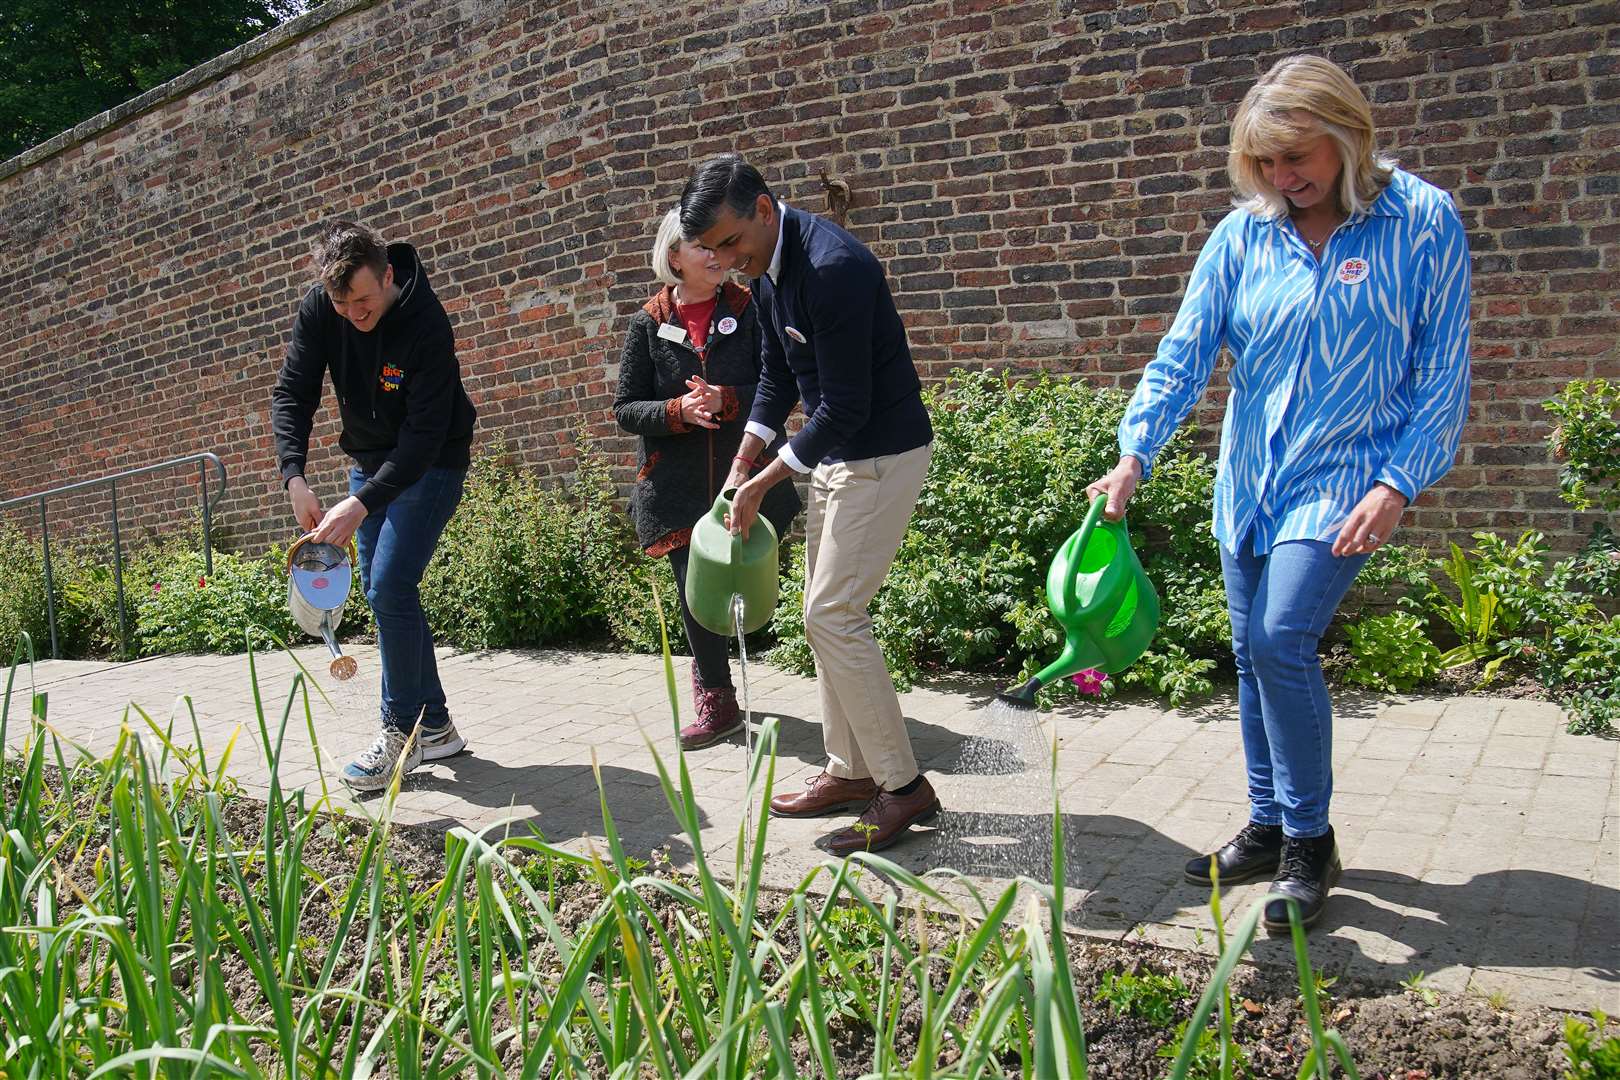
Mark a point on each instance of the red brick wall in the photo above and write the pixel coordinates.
(1037, 177)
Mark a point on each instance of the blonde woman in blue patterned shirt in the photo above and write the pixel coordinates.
(1340, 287)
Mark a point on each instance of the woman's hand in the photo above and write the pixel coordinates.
(1371, 523)
(695, 410)
(713, 399)
(1119, 485)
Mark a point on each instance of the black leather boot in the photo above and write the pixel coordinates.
(1309, 869)
(1252, 853)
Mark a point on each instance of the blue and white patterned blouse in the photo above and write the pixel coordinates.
(1344, 374)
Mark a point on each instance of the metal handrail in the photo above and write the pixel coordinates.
(202, 460)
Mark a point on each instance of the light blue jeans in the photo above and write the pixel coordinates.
(1280, 604)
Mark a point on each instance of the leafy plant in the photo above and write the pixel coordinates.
(1390, 652)
(1413, 984)
(1587, 443)
(1148, 995)
(1592, 1055)
(1170, 671)
(1472, 617)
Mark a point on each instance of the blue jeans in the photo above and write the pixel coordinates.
(395, 545)
(1280, 604)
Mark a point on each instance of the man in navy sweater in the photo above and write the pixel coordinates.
(831, 338)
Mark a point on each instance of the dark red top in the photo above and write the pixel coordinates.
(696, 317)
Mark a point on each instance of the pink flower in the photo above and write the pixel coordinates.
(202, 582)
(1090, 681)
(157, 586)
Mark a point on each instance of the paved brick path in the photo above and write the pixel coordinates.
(1481, 843)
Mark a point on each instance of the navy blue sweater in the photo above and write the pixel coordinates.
(833, 339)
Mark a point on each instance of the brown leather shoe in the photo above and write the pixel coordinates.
(886, 820)
(824, 794)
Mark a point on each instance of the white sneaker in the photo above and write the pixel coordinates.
(373, 770)
(439, 743)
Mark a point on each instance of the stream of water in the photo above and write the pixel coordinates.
(737, 611)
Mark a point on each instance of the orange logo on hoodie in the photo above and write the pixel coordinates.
(391, 378)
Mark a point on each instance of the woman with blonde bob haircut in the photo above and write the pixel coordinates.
(1340, 285)
(687, 376)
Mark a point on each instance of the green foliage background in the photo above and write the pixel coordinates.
(64, 61)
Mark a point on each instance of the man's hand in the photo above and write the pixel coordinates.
(306, 506)
(1119, 484)
(745, 507)
(1371, 523)
(340, 523)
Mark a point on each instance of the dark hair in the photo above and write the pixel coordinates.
(343, 248)
(725, 180)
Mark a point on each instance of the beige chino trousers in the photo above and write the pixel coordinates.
(858, 515)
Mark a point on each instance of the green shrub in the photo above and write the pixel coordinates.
(1006, 486)
(1391, 652)
(185, 608)
(1592, 1055)
(22, 592)
(527, 562)
(1587, 443)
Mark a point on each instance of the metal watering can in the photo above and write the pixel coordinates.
(1100, 595)
(721, 566)
(319, 577)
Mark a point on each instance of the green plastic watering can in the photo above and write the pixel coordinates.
(1100, 595)
(721, 566)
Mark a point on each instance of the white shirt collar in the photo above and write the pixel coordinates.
(775, 269)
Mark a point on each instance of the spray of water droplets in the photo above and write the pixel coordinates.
(998, 821)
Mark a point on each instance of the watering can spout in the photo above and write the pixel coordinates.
(1022, 696)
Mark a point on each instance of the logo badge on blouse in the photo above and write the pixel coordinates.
(793, 333)
(727, 325)
(1353, 271)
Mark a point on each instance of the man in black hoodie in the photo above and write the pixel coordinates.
(374, 325)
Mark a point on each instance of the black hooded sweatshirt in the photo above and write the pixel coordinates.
(398, 387)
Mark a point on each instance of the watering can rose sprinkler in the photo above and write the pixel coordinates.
(1100, 595)
(319, 577)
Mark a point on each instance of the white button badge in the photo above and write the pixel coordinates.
(1353, 271)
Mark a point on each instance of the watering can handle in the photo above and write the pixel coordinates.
(354, 559)
(1093, 515)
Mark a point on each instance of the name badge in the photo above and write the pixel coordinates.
(1353, 271)
(793, 332)
(727, 325)
(671, 332)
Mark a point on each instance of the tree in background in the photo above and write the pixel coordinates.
(64, 61)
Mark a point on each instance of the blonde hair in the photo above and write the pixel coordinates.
(669, 238)
(1299, 98)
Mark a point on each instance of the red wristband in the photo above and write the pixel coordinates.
(748, 461)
